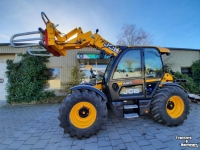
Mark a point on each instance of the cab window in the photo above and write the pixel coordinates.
(153, 63)
(129, 65)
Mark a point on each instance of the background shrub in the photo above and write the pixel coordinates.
(190, 86)
(26, 79)
(75, 79)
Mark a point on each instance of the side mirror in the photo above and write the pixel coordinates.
(91, 71)
(92, 74)
(102, 54)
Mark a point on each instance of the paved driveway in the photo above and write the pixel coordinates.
(37, 127)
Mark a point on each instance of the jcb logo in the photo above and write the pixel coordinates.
(131, 91)
(111, 47)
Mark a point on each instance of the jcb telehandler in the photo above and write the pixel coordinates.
(134, 83)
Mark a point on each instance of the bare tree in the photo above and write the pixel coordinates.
(130, 64)
(132, 36)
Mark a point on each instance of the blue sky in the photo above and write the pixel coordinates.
(172, 23)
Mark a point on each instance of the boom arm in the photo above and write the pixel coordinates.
(57, 44)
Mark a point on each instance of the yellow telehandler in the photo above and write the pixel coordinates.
(134, 83)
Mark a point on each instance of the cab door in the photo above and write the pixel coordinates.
(126, 78)
(153, 70)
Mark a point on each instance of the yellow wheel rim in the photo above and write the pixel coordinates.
(175, 106)
(83, 115)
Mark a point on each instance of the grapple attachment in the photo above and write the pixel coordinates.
(15, 43)
(31, 50)
(33, 43)
(32, 47)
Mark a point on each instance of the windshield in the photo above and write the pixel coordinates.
(108, 68)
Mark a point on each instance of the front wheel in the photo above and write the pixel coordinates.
(170, 105)
(82, 113)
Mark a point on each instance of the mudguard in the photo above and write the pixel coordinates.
(88, 87)
(172, 84)
(87, 83)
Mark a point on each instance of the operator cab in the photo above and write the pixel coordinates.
(134, 74)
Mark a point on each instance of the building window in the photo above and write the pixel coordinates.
(186, 70)
(98, 69)
(54, 81)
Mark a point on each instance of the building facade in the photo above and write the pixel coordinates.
(180, 60)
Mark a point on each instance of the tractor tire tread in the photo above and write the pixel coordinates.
(77, 96)
(158, 105)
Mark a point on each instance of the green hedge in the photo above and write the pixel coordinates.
(190, 86)
(26, 79)
(196, 71)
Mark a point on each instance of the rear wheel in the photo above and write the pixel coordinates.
(170, 105)
(82, 113)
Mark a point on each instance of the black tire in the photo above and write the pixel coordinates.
(98, 104)
(160, 103)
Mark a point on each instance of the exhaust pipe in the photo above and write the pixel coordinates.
(21, 43)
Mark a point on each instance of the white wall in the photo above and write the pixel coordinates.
(181, 58)
(3, 65)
